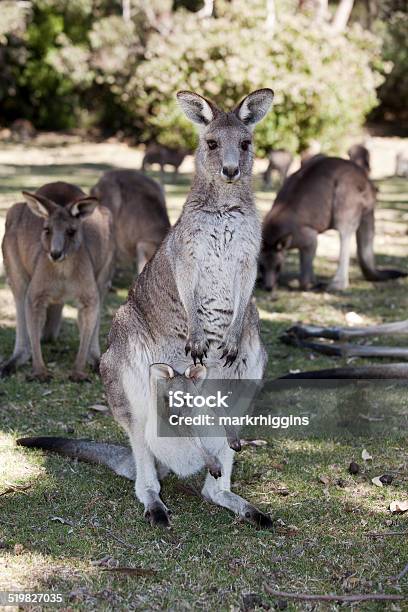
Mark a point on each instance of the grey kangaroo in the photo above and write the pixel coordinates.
(326, 193)
(139, 214)
(279, 160)
(193, 302)
(58, 245)
(162, 155)
(360, 155)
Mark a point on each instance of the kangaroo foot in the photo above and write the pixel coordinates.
(79, 377)
(7, 369)
(235, 444)
(42, 376)
(158, 516)
(256, 517)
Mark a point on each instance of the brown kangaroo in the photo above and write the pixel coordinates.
(326, 193)
(58, 245)
(139, 214)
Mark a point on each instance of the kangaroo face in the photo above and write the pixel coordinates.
(189, 382)
(61, 233)
(225, 147)
(225, 150)
(271, 261)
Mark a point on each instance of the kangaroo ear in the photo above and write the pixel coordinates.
(283, 244)
(254, 107)
(83, 207)
(196, 108)
(40, 206)
(196, 372)
(161, 370)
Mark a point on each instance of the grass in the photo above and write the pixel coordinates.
(63, 517)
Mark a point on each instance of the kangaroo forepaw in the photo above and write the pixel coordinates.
(229, 347)
(158, 516)
(258, 518)
(198, 345)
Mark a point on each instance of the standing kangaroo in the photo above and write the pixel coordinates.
(279, 160)
(58, 245)
(162, 155)
(193, 297)
(139, 214)
(326, 193)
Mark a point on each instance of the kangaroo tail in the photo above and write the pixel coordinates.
(117, 458)
(365, 252)
(384, 371)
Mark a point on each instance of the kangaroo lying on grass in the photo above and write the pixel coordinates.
(327, 193)
(139, 214)
(58, 245)
(193, 296)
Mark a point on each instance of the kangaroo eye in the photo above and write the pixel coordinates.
(212, 144)
(71, 231)
(47, 230)
(245, 144)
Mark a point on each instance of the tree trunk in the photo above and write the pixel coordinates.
(207, 10)
(342, 16)
(126, 10)
(270, 15)
(318, 8)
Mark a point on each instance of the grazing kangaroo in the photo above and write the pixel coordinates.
(360, 155)
(159, 154)
(279, 160)
(326, 193)
(139, 214)
(58, 245)
(194, 297)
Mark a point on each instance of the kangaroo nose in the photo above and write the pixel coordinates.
(55, 255)
(230, 172)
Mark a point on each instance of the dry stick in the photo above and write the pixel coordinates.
(402, 573)
(340, 598)
(115, 537)
(383, 534)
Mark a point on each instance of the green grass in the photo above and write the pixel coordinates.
(209, 560)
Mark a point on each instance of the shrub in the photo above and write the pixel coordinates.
(324, 85)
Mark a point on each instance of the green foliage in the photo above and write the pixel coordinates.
(68, 58)
(324, 86)
(394, 92)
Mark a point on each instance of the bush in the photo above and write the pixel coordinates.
(324, 86)
(394, 91)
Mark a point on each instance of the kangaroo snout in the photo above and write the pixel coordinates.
(230, 173)
(56, 255)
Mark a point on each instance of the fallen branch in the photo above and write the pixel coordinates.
(385, 534)
(16, 489)
(131, 571)
(339, 598)
(400, 575)
(115, 537)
